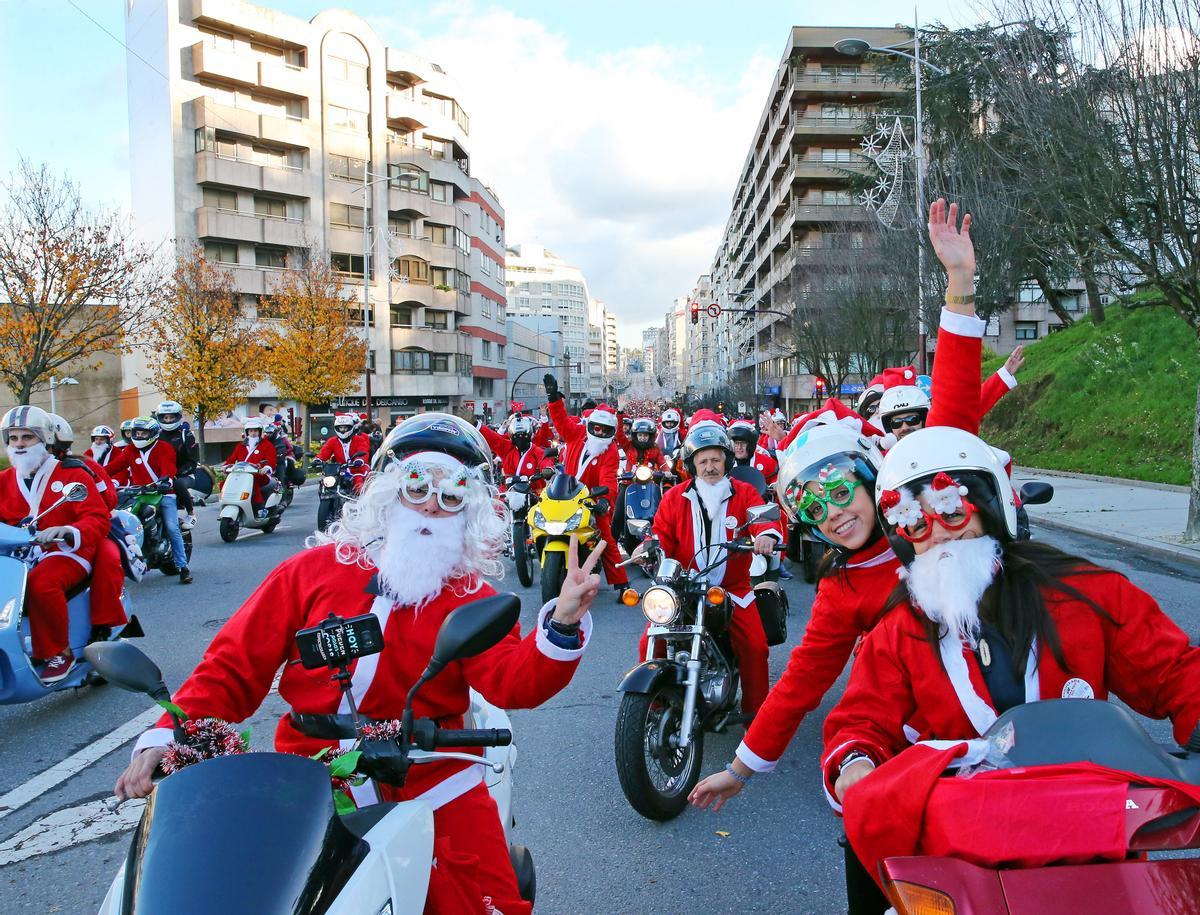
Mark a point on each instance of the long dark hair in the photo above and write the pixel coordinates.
(1014, 604)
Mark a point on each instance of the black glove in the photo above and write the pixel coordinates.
(551, 385)
(602, 506)
(164, 486)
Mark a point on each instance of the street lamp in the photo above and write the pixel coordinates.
(858, 47)
(367, 211)
(54, 383)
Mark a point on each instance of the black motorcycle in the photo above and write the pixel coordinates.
(669, 703)
(145, 504)
(337, 485)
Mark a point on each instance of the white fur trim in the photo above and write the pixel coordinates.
(752, 760)
(962, 325)
(982, 715)
(977, 750)
(552, 651)
(360, 682)
(68, 555)
(886, 556)
(911, 734)
(75, 535)
(744, 600)
(1007, 377)
(155, 737)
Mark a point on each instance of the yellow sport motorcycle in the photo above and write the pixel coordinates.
(566, 507)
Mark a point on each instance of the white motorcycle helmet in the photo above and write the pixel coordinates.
(670, 416)
(816, 448)
(966, 458)
(344, 425)
(903, 398)
(64, 435)
(35, 419)
(165, 409)
(254, 424)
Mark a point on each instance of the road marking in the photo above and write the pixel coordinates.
(70, 826)
(76, 762)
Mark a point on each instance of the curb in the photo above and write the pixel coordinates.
(1117, 481)
(1144, 544)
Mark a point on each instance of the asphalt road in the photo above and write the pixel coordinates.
(593, 853)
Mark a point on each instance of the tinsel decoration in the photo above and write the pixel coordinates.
(205, 738)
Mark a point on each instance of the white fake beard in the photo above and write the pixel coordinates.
(26, 461)
(98, 451)
(595, 447)
(947, 582)
(712, 494)
(251, 442)
(419, 554)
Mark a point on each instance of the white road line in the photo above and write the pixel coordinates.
(70, 826)
(76, 762)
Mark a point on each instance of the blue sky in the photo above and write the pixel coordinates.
(613, 131)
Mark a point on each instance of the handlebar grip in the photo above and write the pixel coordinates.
(475, 737)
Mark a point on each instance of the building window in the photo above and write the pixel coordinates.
(485, 264)
(836, 198)
(221, 252)
(419, 184)
(438, 320)
(485, 306)
(993, 327)
(346, 168)
(345, 216)
(1027, 330)
(837, 155)
(400, 225)
(345, 70)
(411, 269)
(838, 112)
(1030, 294)
(463, 364)
(295, 58)
(219, 40)
(271, 257)
(412, 362)
(272, 207)
(440, 235)
(486, 350)
(222, 200)
(347, 264)
(499, 352)
(402, 316)
(439, 190)
(440, 362)
(483, 387)
(346, 119)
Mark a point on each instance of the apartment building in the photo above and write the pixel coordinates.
(267, 138)
(793, 220)
(542, 284)
(649, 346)
(612, 349)
(672, 358)
(534, 348)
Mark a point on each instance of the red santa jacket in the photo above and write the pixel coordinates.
(263, 455)
(765, 464)
(104, 483)
(115, 462)
(995, 388)
(600, 470)
(847, 606)
(87, 520)
(543, 435)
(335, 449)
(898, 678)
(236, 672)
(152, 464)
(513, 462)
(679, 526)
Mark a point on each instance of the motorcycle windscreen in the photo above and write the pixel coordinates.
(753, 476)
(251, 833)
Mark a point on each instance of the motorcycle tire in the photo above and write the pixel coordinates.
(639, 723)
(327, 513)
(813, 554)
(269, 528)
(229, 529)
(554, 573)
(187, 545)
(521, 557)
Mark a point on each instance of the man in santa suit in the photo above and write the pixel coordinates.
(255, 449)
(414, 547)
(153, 464)
(113, 459)
(591, 457)
(519, 456)
(68, 536)
(748, 453)
(670, 435)
(345, 446)
(693, 519)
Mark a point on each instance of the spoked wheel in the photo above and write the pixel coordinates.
(655, 773)
(521, 556)
(554, 573)
(229, 529)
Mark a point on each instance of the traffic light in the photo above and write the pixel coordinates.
(819, 385)
(695, 312)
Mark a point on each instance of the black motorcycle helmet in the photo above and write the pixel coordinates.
(643, 434)
(705, 435)
(436, 432)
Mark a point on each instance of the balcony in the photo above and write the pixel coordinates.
(830, 212)
(215, 169)
(210, 63)
(813, 168)
(409, 107)
(291, 182)
(248, 123)
(245, 18)
(804, 80)
(212, 222)
(283, 79)
(428, 338)
(828, 127)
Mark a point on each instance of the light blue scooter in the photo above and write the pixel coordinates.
(19, 681)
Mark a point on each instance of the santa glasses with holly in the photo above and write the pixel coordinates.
(423, 477)
(915, 523)
(832, 487)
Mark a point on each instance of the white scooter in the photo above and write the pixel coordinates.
(237, 510)
(258, 832)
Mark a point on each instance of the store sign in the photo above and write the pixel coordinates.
(360, 403)
(435, 402)
(773, 389)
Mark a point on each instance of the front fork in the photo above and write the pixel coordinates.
(691, 682)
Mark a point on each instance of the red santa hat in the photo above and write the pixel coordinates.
(602, 415)
(833, 411)
(743, 424)
(701, 417)
(895, 377)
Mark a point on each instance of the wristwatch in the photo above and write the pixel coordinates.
(852, 757)
(567, 629)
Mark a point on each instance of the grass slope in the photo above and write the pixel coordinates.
(1116, 400)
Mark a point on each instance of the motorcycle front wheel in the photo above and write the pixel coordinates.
(554, 573)
(521, 556)
(229, 529)
(656, 777)
(327, 513)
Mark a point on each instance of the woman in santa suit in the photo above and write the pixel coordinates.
(415, 546)
(256, 450)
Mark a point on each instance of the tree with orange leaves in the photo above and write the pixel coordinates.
(206, 354)
(73, 283)
(315, 353)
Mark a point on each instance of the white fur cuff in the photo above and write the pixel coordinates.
(549, 649)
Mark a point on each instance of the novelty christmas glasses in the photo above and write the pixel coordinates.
(813, 507)
(914, 523)
(418, 485)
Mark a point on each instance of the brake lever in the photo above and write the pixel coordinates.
(416, 757)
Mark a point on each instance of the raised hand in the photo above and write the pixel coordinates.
(951, 244)
(550, 383)
(580, 586)
(1015, 360)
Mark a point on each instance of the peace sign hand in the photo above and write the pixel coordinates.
(580, 586)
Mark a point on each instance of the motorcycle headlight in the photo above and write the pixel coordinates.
(643, 474)
(539, 520)
(328, 481)
(660, 606)
(7, 611)
(574, 521)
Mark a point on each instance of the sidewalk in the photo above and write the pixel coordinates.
(1146, 516)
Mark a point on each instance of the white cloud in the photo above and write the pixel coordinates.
(622, 163)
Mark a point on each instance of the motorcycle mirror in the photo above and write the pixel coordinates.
(639, 528)
(472, 629)
(128, 667)
(550, 452)
(598, 491)
(756, 514)
(1035, 492)
(75, 492)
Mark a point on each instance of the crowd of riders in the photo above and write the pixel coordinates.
(928, 579)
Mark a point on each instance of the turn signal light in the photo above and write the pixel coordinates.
(912, 899)
(630, 597)
(715, 596)
(245, 496)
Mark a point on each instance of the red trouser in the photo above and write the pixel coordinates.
(612, 553)
(473, 868)
(108, 580)
(749, 647)
(46, 603)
